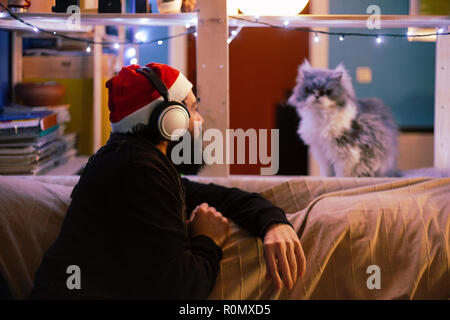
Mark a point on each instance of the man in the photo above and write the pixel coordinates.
(136, 230)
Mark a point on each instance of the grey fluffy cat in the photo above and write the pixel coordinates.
(348, 136)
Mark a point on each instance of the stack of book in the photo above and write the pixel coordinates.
(32, 139)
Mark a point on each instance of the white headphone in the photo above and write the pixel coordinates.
(170, 115)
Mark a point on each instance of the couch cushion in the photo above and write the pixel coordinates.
(31, 214)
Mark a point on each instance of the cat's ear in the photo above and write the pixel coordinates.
(341, 68)
(305, 65)
(337, 75)
(339, 72)
(304, 71)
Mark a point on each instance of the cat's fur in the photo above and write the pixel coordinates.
(348, 136)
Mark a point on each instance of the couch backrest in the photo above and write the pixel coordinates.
(31, 214)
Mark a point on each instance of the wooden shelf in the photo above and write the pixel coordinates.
(57, 21)
(341, 21)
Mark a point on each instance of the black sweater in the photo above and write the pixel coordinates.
(126, 229)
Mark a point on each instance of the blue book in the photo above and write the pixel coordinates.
(11, 118)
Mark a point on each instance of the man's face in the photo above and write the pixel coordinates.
(191, 103)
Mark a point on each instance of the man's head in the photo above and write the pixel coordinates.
(133, 98)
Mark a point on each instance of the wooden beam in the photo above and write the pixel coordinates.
(17, 62)
(213, 73)
(442, 104)
(97, 92)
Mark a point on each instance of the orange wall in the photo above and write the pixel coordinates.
(263, 66)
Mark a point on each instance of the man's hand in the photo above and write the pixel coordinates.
(284, 255)
(207, 221)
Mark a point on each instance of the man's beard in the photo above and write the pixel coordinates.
(190, 168)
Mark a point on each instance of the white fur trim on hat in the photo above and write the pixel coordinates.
(178, 92)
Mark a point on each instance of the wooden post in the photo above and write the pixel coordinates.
(17, 61)
(97, 91)
(319, 58)
(442, 103)
(213, 73)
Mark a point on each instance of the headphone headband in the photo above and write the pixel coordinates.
(156, 81)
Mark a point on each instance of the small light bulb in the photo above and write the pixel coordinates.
(187, 25)
(316, 38)
(133, 61)
(195, 34)
(141, 36)
(286, 23)
(234, 32)
(116, 46)
(54, 33)
(35, 29)
(409, 33)
(341, 38)
(130, 53)
(160, 42)
(88, 49)
(441, 30)
(379, 40)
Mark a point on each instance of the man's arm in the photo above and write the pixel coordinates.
(166, 262)
(282, 248)
(249, 210)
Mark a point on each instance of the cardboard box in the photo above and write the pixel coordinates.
(65, 67)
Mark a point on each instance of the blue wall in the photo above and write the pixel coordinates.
(5, 64)
(154, 52)
(403, 72)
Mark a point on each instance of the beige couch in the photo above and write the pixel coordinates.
(345, 226)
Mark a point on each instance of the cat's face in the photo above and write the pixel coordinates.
(320, 88)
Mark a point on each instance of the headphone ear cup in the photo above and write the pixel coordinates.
(168, 118)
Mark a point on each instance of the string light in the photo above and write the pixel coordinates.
(316, 38)
(130, 53)
(338, 34)
(187, 25)
(116, 46)
(341, 38)
(143, 37)
(88, 49)
(133, 61)
(160, 42)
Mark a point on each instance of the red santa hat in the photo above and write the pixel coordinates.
(132, 98)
